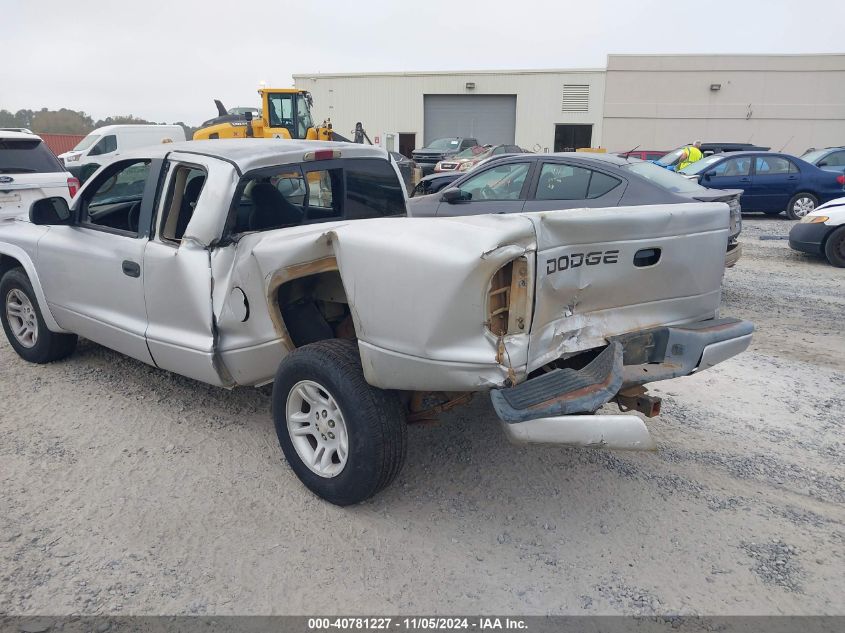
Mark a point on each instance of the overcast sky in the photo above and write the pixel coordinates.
(166, 60)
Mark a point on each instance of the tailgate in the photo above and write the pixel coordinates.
(605, 272)
(19, 191)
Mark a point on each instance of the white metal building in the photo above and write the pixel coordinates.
(656, 102)
(789, 102)
(495, 107)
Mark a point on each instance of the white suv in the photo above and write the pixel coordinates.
(29, 171)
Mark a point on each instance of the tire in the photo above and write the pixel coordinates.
(800, 205)
(24, 325)
(834, 247)
(326, 379)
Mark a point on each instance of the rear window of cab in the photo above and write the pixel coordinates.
(319, 191)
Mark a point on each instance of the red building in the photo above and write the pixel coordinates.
(61, 143)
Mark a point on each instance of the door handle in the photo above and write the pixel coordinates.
(131, 269)
(646, 257)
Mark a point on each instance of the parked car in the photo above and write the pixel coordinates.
(469, 158)
(670, 159)
(406, 168)
(440, 180)
(545, 182)
(427, 157)
(29, 171)
(276, 262)
(452, 163)
(822, 232)
(771, 182)
(644, 154)
(829, 158)
(110, 141)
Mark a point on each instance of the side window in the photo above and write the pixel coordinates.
(281, 110)
(771, 166)
(285, 196)
(105, 145)
(601, 184)
(186, 183)
(563, 182)
(497, 183)
(733, 167)
(372, 189)
(114, 200)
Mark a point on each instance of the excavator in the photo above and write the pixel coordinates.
(285, 113)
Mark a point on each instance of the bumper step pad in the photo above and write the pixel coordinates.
(563, 391)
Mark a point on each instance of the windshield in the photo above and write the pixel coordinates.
(700, 165)
(87, 142)
(664, 178)
(671, 158)
(444, 143)
(812, 157)
(473, 152)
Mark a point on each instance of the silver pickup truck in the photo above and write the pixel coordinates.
(249, 262)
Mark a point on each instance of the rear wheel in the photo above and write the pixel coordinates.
(800, 205)
(834, 247)
(24, 325)
(344, 439)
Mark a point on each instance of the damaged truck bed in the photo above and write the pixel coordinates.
(257, 261)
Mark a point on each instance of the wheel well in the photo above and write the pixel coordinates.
(828, 235)
(314, 307)
(7, 263)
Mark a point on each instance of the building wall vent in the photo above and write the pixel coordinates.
(576, 98)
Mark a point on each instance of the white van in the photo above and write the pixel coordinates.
(107, 142)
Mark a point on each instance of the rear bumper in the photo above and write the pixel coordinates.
(733, 254)
(532, 413)
(808, 238)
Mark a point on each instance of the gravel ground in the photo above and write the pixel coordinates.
(128, 490)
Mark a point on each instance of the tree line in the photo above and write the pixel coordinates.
(66, 121)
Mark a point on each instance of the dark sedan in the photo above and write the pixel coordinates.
(771, 182)
(546, 182)
(829, 158)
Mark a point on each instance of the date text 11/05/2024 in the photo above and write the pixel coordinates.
(415, 624)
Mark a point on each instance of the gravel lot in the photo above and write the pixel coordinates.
(127, 490)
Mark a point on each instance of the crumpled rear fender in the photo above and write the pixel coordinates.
(417, 290)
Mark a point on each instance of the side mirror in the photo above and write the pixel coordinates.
(822, 164)
(49, 211)
(454, 195)
(706, 176)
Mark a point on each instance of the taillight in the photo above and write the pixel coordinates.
(841, 179)
(72, 186)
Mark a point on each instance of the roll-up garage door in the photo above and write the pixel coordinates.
(487, 118)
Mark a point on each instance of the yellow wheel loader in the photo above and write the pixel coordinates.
(285, 113)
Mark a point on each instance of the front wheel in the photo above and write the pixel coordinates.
(800, 205)
(834, 248)
(344, 439)
(24, 325)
